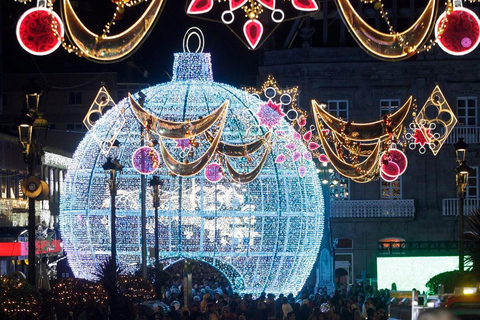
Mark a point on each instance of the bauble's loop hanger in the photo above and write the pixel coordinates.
(193, 31)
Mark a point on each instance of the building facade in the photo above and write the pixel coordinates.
(421, 206)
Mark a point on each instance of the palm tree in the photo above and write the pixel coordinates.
(108, 273)
(473, 249)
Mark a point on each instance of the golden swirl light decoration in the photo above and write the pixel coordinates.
(385, 46)
(177, 130)
(432, 131)
(109, 48)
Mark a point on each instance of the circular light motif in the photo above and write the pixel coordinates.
(387, 178)
(213, 172)
(35, 33)
(399, 158)
(461, 33)
(390, 169)
(145, 160)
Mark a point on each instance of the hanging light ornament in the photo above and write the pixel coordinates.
(429, 131)
(37, 29)
(361, 151)
(392, 46)
(106, 48)
(251, 32)
(458, 30)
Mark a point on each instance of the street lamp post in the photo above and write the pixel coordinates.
(155, 182)
(112, 167)
(32, 133)
(462, 173)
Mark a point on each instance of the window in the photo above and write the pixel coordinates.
(76, 126)
(389, 106)
(75, 98)
(344, 243)
(338, 108)
(467, 111)
(391, 190)
(339, 188)
(472, 188)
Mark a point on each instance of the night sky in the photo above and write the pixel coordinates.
(233, 62)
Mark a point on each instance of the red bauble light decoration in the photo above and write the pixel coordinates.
(35, 33)
(399, 158)
(145, 160)
(461, 33)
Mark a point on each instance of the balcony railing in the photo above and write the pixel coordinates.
(372, 209)
(450, 206)
(470, 135)
(420, 248)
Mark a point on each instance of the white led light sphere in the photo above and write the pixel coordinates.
(263, 236)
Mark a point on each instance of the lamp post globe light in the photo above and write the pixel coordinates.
(462, 173)
(32, 134)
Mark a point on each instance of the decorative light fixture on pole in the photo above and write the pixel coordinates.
(462, 173)
(155, 182)
(112, 167)
(32, 133)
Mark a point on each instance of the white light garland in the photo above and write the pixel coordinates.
(264, 236)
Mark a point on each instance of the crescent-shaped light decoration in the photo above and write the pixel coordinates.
(109, 49)
(250, 176)
(239, 150)
(362, 149)
(362, 131)
(385, 46)
(352, 171)
(192, 168)
(177, 130)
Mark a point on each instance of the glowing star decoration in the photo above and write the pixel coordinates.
(183, 144)
(422, 136)
(35, 33)
(458, 33)
(270, 114)
(237, 228)
(432, 132)
(145, 160)
(251, 32)
(213, 172)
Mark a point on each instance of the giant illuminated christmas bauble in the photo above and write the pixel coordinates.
(264, 235)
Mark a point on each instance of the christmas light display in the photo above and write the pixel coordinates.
(35, 33)
(391, 46)
(263, 235)
(107, 48)
(253, 29)
(361, 151)
(458, 30)
(432, 131)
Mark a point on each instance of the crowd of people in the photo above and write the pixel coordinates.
(215, 301)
